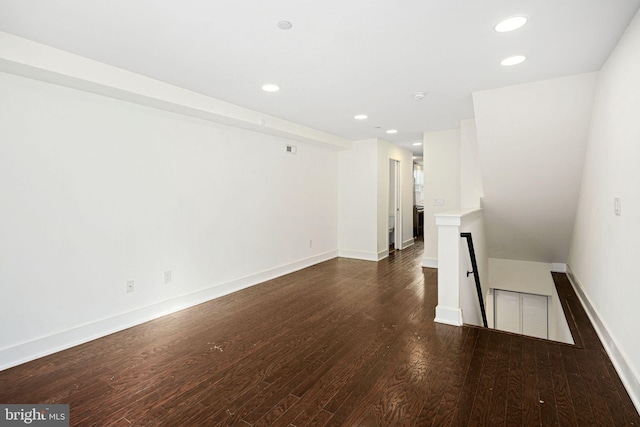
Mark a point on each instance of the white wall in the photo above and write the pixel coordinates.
(441, 151)
(97, 191)
(605, 249)
(33, 60)
(363, 198)
(358, 200)
(531, 142)
(471, 188)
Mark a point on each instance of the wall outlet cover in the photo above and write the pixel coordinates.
(617, 206)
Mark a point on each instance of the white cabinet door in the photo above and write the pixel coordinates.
(534, 315)
(507, 311)
(521, 313)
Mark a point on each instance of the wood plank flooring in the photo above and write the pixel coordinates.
(345, 342)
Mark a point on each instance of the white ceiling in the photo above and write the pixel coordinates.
(340, 58)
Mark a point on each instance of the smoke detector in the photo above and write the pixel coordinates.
(419, 95)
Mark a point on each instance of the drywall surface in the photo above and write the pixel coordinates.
(531, 144)
(358, 201)
(441, 151)
(363, 194)
(97, 192)
(34, 60)
(521, 276)
(605, 249)
(471, 188)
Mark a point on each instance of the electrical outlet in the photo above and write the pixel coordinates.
(310, 243)
(129, 286)
(292, 149)
(438, 202)
(167, 277)
(617, 207)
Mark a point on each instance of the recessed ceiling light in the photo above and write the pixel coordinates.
(360, 117)
(513, 60)
(392, 131)
(284, 25)
(417, 143)
(270, 87)
(510, 24)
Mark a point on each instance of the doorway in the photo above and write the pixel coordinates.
(395, 210)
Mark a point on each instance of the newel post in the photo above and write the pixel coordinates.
(450, 224)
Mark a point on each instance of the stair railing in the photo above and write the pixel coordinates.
(476, 276)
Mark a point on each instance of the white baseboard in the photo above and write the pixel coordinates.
(365, 256)
(430, 262)
(31, 350)
(558, 267)
(627, 373)
(448, 316)
(408, 242)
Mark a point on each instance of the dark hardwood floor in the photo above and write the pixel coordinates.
(345, 342)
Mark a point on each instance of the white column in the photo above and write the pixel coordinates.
(450, 225)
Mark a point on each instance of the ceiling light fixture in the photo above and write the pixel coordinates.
(284, 25)
(510, 24)
(513, 60)
(270, 87)
(417, 143)
(418, 96)
(390, 131)
(360, 117)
